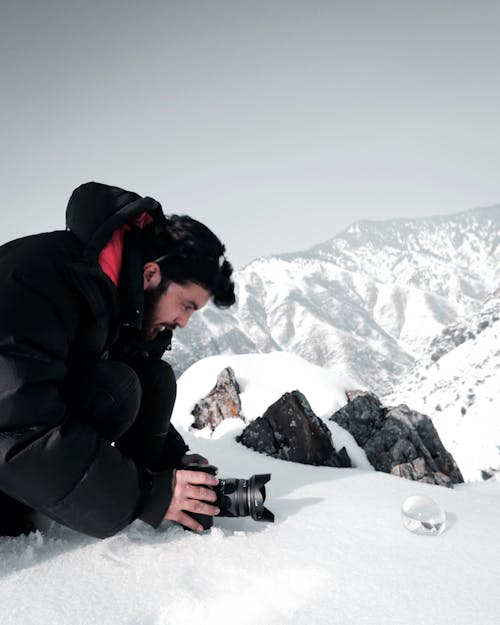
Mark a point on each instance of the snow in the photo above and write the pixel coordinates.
(337, 553)
(461, 393)
(262, 379)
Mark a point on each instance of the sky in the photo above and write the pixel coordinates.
(277, 123)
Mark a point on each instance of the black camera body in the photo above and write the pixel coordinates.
(236, 497)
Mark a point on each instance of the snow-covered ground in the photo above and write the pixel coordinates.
(461, 394)
(337, 552)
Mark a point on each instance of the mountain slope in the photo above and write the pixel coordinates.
(457, 384)
(366, 302)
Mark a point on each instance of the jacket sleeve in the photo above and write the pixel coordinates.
(49, 460)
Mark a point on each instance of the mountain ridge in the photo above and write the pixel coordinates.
(367, 301)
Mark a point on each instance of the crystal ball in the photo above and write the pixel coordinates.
(422, 515)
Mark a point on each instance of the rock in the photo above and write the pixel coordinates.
(491, 473)
(417, 471)
(355, 393)
(223, 402)
(290, 430)
(398, 440)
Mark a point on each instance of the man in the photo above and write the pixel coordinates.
(85, 398)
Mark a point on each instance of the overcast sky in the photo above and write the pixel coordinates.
(277, 123)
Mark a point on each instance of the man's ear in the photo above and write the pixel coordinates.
(152, 275)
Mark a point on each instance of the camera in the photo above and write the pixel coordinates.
(236, 497)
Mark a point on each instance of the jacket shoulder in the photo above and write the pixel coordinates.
(35, 279)
(44, 248)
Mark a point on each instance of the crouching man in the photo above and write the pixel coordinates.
(85, 397)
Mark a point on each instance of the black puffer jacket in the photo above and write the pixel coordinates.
(58, 310)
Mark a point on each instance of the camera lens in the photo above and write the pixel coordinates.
(257, 496)
(237, 497)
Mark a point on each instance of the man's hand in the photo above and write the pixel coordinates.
(191, 495)
(193, 459)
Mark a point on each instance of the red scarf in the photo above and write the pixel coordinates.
(110, 258)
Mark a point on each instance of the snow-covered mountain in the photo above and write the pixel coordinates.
(457, 383)
(365, 303)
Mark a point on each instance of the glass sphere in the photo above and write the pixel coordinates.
(422, 515)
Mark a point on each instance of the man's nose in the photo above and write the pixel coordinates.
(183, 318)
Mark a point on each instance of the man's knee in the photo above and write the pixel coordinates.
(156, 375)
(145, 441)
(166, 376)
(107, 394)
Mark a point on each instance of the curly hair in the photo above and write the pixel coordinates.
(187, 251)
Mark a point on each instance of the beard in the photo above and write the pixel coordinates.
(151, 297)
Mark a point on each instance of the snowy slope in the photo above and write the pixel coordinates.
(458, 385)
(366, 303)
(337, 553)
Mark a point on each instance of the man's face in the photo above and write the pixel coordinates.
(173, 308)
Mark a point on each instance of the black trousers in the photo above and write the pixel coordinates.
(129, 404)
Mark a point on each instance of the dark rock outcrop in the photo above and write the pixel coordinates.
(290, 430)
(223, 402)
(398, 440)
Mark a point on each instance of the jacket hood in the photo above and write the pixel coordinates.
(96, 210)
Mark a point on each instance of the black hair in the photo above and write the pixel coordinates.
(187, 251)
